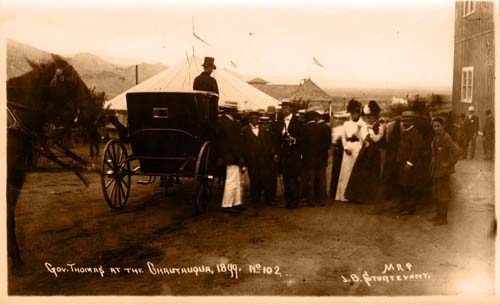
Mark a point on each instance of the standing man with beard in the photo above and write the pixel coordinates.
(292, 133)
(410, 163)
(259, 157)
(471, 126)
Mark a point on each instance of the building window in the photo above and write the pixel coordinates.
(468, 7)
(467, 83)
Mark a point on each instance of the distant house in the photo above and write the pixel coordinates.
(474, 58)
(306, 95)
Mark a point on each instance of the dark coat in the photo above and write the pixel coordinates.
(291, 153)
(411, 146)
(471, 126)
(228, 138)
(324, 143)
(205, 82)
(489, 128)
(445, 153)
(258, 151)
(317, 140)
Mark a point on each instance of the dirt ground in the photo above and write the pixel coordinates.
(317, 251)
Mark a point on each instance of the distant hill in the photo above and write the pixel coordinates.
(95, 72)
(16, 57)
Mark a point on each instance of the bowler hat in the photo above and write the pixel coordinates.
(285, 102)
(230, 105)
(209, 62)
(253, 113)
(408, 115)
(264, 119)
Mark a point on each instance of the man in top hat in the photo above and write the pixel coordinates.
(410, 163)
(292, 133)
(471, 126)
(489, 136)
(204, 81)
(229, 143)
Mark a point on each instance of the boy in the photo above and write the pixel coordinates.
(445, 153)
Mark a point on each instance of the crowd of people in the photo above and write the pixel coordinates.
(406, 160)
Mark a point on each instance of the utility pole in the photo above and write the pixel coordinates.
(136, 74)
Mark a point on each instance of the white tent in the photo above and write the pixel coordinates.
(181, 77)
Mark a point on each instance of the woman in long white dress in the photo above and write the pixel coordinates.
(353, 135)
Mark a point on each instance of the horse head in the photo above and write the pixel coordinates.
(51, 93)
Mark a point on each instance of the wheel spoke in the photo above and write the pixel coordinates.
(122, 192)
(112, 194)
(122, 155)
(127, 184)
(119, 191)
(113, 159)
(109, 164)
(109, 183)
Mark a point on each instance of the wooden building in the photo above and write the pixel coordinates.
(305, 95)
(474, 58)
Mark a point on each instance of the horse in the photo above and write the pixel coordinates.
(52, 94)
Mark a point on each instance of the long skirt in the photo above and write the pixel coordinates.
(365, 177)
(232, 187)
(338, 152)
(346, 168)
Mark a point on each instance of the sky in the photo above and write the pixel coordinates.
(359, 43)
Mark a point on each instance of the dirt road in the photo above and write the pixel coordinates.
(309, 251)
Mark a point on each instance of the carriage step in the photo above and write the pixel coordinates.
(148, 181)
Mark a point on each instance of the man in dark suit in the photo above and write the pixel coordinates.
(259, 156)
(204, 81)
(410, 163)
(229, 148)
(292, 134)
(471, 126)
(275, 135)
(317, 139)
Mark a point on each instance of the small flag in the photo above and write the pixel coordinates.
(233, 64)
(316, 62)
(200, 39)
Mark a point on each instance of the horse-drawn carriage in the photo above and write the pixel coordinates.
(170, 134)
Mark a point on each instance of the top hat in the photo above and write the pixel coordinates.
(230, 105)
(209, 62)
(271, 109)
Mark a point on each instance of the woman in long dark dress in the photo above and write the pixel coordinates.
(364, 183)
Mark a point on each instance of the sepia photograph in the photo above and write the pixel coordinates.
(249, 149)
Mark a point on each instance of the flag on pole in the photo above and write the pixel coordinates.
(195, 35)
(233, 64)
(200, 39)
(316, 62)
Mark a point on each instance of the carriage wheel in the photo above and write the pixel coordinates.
(203, 192)
(115, 174)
